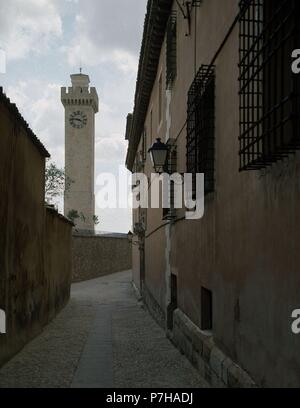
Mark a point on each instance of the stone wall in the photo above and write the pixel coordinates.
(153, 307)
(58, 262)
(32, 286)
(200, 348)
(95, 256)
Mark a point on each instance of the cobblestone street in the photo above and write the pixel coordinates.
(103, 338)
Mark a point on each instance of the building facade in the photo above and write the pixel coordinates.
(81, 105)
(215, 83)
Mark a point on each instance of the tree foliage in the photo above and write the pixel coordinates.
(96, 220)
(56, 182)
(74, 216)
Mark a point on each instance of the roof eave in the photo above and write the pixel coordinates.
(158, 12)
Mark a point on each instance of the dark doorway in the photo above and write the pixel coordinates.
(206, 309)
(173, 305)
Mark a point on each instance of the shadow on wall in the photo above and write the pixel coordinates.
(35, 242)
(98, 255)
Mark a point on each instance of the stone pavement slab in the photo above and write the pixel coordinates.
(95, 369)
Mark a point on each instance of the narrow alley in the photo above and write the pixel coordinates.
(104, 338)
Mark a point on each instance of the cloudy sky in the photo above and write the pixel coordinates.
(47, 40)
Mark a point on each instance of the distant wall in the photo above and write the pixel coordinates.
(95, 256)
(35, 243)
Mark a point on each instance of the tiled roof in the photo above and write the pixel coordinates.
(15, 112)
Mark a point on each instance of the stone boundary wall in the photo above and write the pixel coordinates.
(99, 255)
(35, 242)
(199, 347)
(58, 262)
(31, 305)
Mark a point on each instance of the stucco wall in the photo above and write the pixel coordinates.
(95, 256)
(58, 262)
(25, 286)
(246, 249)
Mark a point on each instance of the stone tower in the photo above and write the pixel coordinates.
(81, 105)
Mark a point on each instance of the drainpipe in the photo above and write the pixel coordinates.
(168, 227)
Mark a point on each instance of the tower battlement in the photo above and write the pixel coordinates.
(80, 96)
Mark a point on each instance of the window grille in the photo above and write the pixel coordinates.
(171, 50)
(201, 127)
(144, 147)
(170, 213)
(269, 91)
(196, 3)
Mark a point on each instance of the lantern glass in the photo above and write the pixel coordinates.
(159, 155)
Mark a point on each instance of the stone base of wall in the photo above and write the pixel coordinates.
(207, 358)
(137, 292)
(154, 308)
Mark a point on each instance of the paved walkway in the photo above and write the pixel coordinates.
(103, 338)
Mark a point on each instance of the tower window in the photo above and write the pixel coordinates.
(206, 309)
(201, 126)
(269, 91)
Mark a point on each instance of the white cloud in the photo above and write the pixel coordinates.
(28, 26)
(110, 149)
(39, 103)
(114, 24)
(106, 32)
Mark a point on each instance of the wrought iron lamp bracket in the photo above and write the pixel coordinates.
(186, 9)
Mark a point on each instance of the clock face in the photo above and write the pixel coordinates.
(78, 120)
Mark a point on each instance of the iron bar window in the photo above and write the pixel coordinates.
(144, 147)
(171, 167)
(201, 127)
(171, 50)
(269, 91)
(196, 3)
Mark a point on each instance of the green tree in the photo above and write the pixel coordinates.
(56, 182)
(73, 216)
(96, 220)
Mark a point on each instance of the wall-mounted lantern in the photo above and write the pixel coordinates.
(159, 155)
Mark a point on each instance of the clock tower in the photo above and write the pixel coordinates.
(81, 105)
